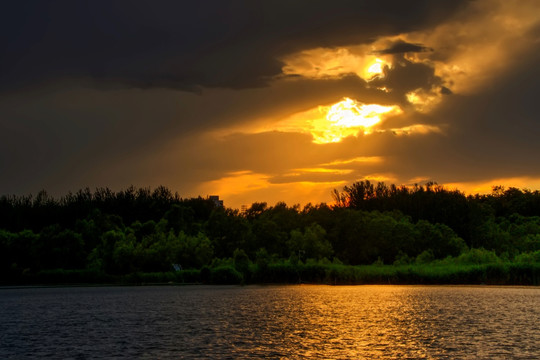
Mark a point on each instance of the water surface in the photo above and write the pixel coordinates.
(276, 322)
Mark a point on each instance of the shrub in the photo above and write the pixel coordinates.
(425, 257)
(528, 258)
(225, 275)
(478, 256)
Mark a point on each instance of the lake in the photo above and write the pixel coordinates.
(271, 322)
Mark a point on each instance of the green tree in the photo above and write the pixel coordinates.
(123, 256)
(228, 231)
(312, 243)
(242, 263)
(61, 249)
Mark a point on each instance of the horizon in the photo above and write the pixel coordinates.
(494, 190)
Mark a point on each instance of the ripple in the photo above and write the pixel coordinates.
(278, 322)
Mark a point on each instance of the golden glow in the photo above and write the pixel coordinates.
(323, 63)
(244, 187)
(417, 129)
(349, 113)
(469, 51)
(424, 101)
(376, 68)
(418, 180)
(388, 178)
(348, 118)
(323, 170)
(360, 159)
(489, 36)
(328, 124)
(486, 186)
(237, 182)
(477, 48)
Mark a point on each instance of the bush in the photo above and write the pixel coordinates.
(425, 257)
(478, 256)
(189, 276)
(528, 258)
(402, 259)
(225, 275)
(524, 274)
(61, 276)
(312, 272)
(281, 272)
(157, 277)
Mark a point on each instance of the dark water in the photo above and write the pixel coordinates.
(274, 322)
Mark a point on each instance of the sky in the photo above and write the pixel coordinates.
(268, 100)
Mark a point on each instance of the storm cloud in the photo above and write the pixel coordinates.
(220, 96)
(400, 47)
(187, 45)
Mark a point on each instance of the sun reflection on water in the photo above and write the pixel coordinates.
(277, 322)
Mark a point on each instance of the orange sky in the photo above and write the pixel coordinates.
(283, 108)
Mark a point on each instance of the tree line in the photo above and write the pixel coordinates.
(144, 230)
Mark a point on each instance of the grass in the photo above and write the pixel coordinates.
(500, 273)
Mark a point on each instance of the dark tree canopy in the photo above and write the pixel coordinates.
(140, 229)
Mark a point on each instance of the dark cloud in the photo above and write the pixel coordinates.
(187, 45)
(51, 138)
(406, 76)
(491, 134)
(59, 130)
(445, 91)
(401, 47)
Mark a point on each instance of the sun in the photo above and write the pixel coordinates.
(348, 118)
(333, 123)
(375, 69)
(349, 113)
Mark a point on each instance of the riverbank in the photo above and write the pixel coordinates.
(314, 273)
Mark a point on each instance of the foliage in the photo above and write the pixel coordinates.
(478, 256)
(429, 234)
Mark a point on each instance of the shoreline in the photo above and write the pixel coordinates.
(64, 286)
(491, 274)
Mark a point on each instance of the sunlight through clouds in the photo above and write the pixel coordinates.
(324, 94)
(486, 40)
(465, 53)
(417, 129)
(407, 77)
(333, 123)
(348, 118)
(360, 159)
(323, 63)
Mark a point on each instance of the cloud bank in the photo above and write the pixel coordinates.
(225, 96)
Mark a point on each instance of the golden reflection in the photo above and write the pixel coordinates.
(362, 322)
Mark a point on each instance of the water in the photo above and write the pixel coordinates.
(271, 322)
